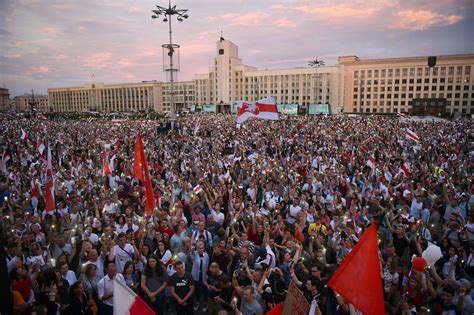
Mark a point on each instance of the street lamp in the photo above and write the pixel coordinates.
(167, 14)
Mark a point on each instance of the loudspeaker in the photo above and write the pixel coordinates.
(431, 61)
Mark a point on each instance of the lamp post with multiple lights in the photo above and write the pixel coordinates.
(167, 14)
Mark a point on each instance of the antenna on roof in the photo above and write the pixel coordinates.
(222, 38)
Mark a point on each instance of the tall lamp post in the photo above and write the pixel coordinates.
(167, 14)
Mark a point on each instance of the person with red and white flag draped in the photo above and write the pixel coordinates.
(106, 168)
(50, 204)
(262, 109)
(196, 127)
(371, 161)
(411, 135)
(141, 172)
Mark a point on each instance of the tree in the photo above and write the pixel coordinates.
(316, 63)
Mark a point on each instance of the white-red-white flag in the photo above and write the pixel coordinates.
(197, 189)
(411, 135)
(23, 135)
(371, 161)
(50, 204)
(127, 302)
(105, 163)
(403, 115)
(40, 145)
(406, 169)
(263, 109)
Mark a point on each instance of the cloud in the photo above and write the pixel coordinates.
(243, 19)
(419, 20)
(52, 31)
(97, 60)
(284, 23)
(40, 70)
(135, 10)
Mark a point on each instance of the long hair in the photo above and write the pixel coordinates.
(158, 271)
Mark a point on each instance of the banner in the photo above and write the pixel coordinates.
(295, 302)
(209, 108)
(315, 109)
(288, 109)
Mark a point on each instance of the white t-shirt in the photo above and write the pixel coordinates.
(122, 255)
(218, 217)
(294, 211)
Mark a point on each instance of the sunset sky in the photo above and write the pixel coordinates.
(49, 43)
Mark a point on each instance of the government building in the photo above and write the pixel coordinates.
(442, 85)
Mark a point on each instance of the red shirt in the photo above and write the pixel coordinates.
(24, 287)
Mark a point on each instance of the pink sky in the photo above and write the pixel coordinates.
(48, 43)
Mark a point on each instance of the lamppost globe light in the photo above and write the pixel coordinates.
(185, 16)
(153, 16)
(165, 20)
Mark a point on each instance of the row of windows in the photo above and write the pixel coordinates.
(410, 95)
(411, 71)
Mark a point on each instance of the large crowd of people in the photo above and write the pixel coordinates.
(241, 212)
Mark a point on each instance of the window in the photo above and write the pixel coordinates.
(221, 52)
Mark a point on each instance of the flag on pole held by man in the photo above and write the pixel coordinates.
(411, 135)
(23, 135)
(141, 172)
(127, 302)
(40, 145)
(50, 204)
(358, 279)
(196, 127)
(371, 161)
(262, 109)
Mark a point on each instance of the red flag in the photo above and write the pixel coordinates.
(49, 189)
(358, 280)
(140, 171)
(40, 146)
(105, 163)
(277, 310)
(406, 169)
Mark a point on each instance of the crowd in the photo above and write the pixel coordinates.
(242, 212)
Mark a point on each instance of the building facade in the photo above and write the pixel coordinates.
(229, 80)
(4, 99)
(352, 86)
(27, 102)
(398, 84)
(108, 97)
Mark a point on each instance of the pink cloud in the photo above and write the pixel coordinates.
(135, 10)
(243, 19)
(283, 23)
(52, 31)
(422, 19)
(40, 70)
(97, 60)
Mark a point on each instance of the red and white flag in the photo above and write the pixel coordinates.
(402, 115)
(406, 169)
(411, 135)
(40, 145)
(263, 109)
(118, 121)
(23, 135)
(371, 161)
(127, 302)
(49, 189)
(197, 189)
